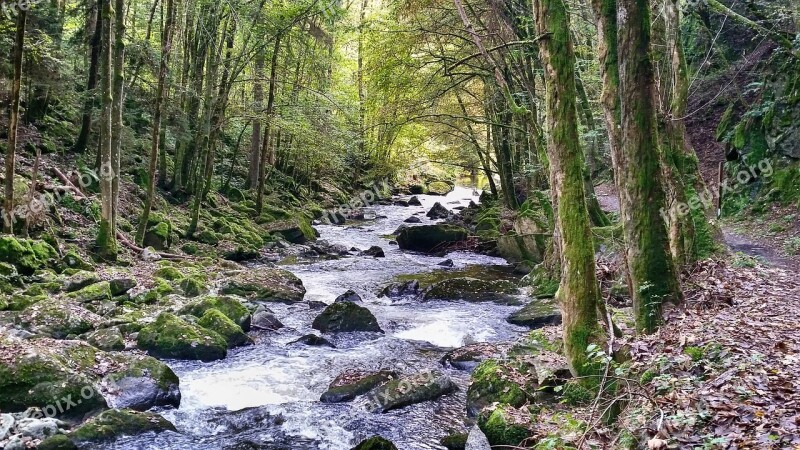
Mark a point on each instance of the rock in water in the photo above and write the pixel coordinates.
(438, 212)
(413, 219)
(114, 423)
(397, 290)
(346, 316)
(265, 319)
(406, 391)
(446, 263)
(172, 337)
(349, 296)
(439, 188)
(430, 238)
(472, 290)
(350, 385)
(414, 201)
(374, 251)
(375, 443)
(313, 340)
(537, 314)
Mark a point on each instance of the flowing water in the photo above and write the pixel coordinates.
(266, 396)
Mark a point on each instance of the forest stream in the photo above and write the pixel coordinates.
(267, 395)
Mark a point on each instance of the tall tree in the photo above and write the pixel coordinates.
(578, 292)
(653, 278)
(94, 28)
(265, 143)
(106, 239)
(13, 122)
(117, 109)
(155, 136)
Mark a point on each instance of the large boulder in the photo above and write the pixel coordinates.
(159, 236)
(233, 309)
(296, 230)
(218, 322)
(537, 314)
(265, 319)
(172, 337)
(472, 290)
(430, 238)
(494, 381)
(115, 423)
(141, 382)
(375, 443)
(27, 255)
(506, 426)
(411, 390)
(439, 188)
(43, 372)
(58, 318)
(92, 293)
(350, 385)
(265, 284)
(346, 316)
(438, 211)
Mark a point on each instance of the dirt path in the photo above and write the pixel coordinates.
(759, 249)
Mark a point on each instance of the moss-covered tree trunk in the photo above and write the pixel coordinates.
(605, 12)
(94, 27)
(255, 139)
(578, 291)
(268, 124)
(158, 109)
(119, 100)
(13, 123)
(652, 274)
(106, 238)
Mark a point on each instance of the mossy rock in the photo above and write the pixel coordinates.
(418, 388)
(78, 280)
(207, 236)
(57, 442)
(58, 318)
(27, 255)
(348, 386)
(265, 284)
(121, 285)
(73, 260)
(159, 236)
(172, 337)
(439, 188)
(472, 290)
(537, 314)
(297, 230)
(455, 441)
(230, 307)
(189, 248)
(115, 423)
(492, 382)
(168, 273)
(96, 292)
(506, 426)
(41, 378)
(346, 317)
(107, 339)
(193, 286)
(430, 238)
(218, 322)
(19, 302)
(142, 383)
(375, 443)
(160, 290)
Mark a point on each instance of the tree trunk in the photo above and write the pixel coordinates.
(106, 239)
(652, 276)
(605, 12)
(362, 98)
(578, 292)
(255, 139)
(13, 123)
(119, 101)
(270, 109)
(91, 84)
(166, 48)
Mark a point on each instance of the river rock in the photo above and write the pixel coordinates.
(469, 356)
(344, 317)
(401, 289)
(79, 280)
(401, 202)
(439, 188)
(265, 319)
(349, 296)
(430, 238)
(472, 290)
(115, 423)
(413, 219)
(230, 307)
(446, 263)
(37, 373)
(295, 231)
(218, 322)
(58, 318)
(406, 391)
(172, 337)
(141, 383)
(495, 381)
(375, 443)
(313, 340)
(438, 211)
(537, 314)
(267, 284)
(476, 440)
(416, 189)
(374, 251)
(107, 339)
(414, 201)
(350, 385)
